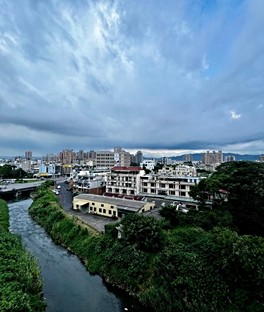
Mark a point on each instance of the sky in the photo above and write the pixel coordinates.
(162, 76)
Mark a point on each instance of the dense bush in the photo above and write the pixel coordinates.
(4, 216)
(206, 219)
(20, 281)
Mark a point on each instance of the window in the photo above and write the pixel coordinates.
(94, 208)
(93, 204)
(110, 211)
(104, 211)
(100, 209)
(112, 207)
(102, 205)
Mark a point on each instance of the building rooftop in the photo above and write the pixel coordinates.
(131, 168)
(121, 203)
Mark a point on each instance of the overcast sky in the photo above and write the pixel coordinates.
(162, 76)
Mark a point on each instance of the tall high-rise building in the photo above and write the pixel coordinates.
(212, 158)
(28, 155)
(187, 158)
(230, 158)
(139, 157)
(92, 154)
(67, 156)
(80, 155)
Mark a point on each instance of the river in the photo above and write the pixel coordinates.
(67, 285)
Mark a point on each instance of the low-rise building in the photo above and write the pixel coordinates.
(109, 206)
(148, 163)
(92, 184)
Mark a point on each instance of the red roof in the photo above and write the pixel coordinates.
(132, 168)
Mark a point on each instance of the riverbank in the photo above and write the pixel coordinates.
(20, 278)
(119, 264)
(188, 267)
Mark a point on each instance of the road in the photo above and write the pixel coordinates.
(18, 186)
(96, 222)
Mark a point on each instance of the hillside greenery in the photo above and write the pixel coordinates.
(184, 262)
(20, 279)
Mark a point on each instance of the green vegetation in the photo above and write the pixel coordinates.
(185, 262)
(20, 281)
(237, 187)
(11, 172)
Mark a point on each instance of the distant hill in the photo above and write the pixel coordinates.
(198, 157)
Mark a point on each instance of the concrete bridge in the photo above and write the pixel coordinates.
(15, 191)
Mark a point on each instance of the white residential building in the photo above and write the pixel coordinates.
(179, 170)
(124, 180)
(149, 164)
(179, 186)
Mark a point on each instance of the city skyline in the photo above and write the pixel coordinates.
(147, 154)
(167, 78)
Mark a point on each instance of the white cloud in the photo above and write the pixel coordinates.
(234, 115)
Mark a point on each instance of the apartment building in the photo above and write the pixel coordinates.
(28, 155)
(230, 158)
(91, 184)
(139, 157)
(149, 164)
(67, 157)
(187, 158)
(104, 159)
(155, 184)
(108, 159)
(212, 158)
(124, 180)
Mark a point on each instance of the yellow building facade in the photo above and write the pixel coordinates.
(109, 206)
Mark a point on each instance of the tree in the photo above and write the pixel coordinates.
(238, 186)
(145, 232)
